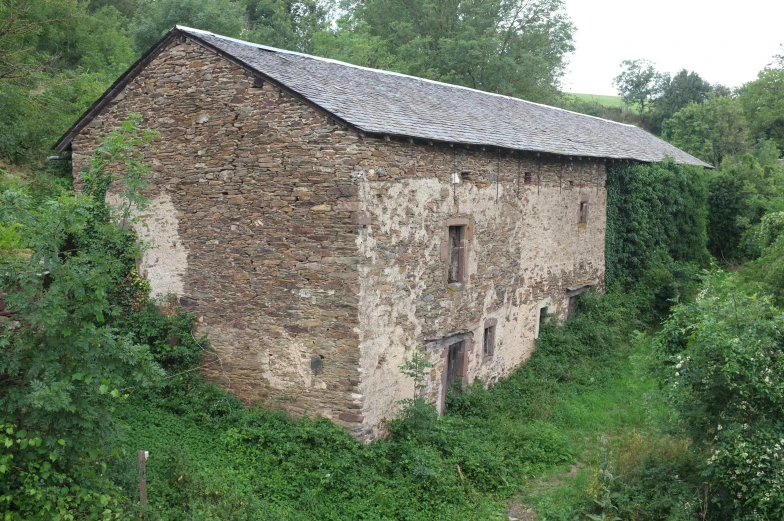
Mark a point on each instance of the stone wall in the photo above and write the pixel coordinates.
(527, 248)
(291, 237)
(252, 226)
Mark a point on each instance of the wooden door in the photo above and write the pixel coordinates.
(454, 365)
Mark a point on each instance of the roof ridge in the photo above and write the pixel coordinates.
(393, 73)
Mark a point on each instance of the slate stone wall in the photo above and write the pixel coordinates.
(303, 238)
(262, 195)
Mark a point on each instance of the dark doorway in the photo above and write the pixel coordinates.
(571, 308)
(454, 366)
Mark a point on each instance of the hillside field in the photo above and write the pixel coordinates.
(606, 101)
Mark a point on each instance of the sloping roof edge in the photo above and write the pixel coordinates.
(134, 70)
(113, 90)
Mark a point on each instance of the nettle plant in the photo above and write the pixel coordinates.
(722, 359)
(62, 364)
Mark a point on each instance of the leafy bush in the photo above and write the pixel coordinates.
(722, 362)
(649, 476)
(211, 457)
(63, 365)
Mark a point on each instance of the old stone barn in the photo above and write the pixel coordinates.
(323, 220)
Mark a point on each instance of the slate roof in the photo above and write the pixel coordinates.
(382, 102)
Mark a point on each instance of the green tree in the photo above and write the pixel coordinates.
(154, 18)
(287, 24)
(763, 103)
(713, 130)
(62, 364)
(511, 47)
(677, 92)
(56, 57)
(639, 83)
(721, 360)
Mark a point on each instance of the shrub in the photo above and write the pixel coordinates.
(654, 212)
(63, 366)
(722, 364)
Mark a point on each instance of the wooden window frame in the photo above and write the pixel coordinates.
(462, 259)
(488, 338)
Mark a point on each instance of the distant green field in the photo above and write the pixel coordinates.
(607, 101)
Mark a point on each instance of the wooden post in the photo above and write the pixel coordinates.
(142, 466)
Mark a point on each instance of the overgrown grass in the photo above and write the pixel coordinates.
(211, 458)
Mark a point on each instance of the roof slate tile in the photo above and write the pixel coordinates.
(382, 102)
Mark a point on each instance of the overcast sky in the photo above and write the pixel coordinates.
(724, 42)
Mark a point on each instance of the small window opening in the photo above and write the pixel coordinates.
(456, 253)
(527, 178)
(488, 345)
(584, 212)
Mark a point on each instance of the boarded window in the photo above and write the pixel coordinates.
(527, 178)
(456, 253)
(583, 212)
(488, 344)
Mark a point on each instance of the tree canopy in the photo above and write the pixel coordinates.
(510, 47)
(712, 131)
(763, 104)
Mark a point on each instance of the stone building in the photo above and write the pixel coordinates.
(324, 220)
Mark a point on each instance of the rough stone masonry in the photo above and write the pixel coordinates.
(316, 257)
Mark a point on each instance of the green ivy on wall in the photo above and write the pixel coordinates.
(655, 213)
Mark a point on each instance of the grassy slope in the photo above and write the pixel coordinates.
(211, 458)
(597, 421)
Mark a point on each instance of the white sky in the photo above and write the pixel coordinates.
(724, 42)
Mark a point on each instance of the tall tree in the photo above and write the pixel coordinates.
(639, 83)
(288, 24)
(154, 18)
(512, 47)
(712, 131)
(763, 103)
(56, 57)
(677, 92)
